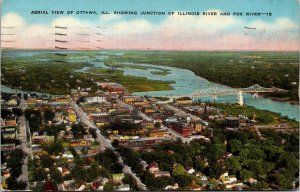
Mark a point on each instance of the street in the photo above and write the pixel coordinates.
(146, 118)
(105, 143)
(24, 144)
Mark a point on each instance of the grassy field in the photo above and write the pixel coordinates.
(133, 84)
(162, 73)
(39, 72)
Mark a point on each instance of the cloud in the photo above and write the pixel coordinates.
(70, 21)
(12, 20)
(110, 17)
(282, 24)
(137, 26)
(191, 32)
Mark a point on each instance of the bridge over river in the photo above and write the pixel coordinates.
(217, 91)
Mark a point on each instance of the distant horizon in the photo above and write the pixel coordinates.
(217, 26)
(188, 50)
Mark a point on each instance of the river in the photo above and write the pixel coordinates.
(185, 82)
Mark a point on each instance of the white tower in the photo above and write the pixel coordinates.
(240, 98)
(214, 97)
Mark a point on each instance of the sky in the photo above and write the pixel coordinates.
(276, 32)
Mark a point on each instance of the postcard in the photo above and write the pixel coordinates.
(149, 95)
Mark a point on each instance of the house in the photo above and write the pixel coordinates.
(11, 121)
(72, 116)
(157, 133)
(190, 170)
(197, 127)
(8, 132)
(104, 181)
(234, 185)
(162, 174)
(252, 181)
(172, 187)
(117, 178)
(80, 142)
(124, 187)
(228, 179)
(180, 128)
(184, 101)
(42, 139)
(148, 110)
(68, 185)
(12, 102)
(153, 167)
(97, 186)
(128, 99)
(96, 99)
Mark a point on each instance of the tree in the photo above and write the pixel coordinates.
(78, 130)
(78, 173)
(199, 164)
(16, 171)
(235, 145)
(5, 113)
(115, 143)
(14, 162)
(283, 181)
(54, 130)
(56, 175)
(245, 174)
(128, 179)
(183, 181)
(109, 186)
(216, 151)
(233, 164)
(13, 184)
(117, 167)
(35, 119)
(48, 115)
(92, 174)
(178, 170)
(17, 111)
(39, 174)
(54, 148)
(46, 161)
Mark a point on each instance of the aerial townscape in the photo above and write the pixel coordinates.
(137, 96)
(100, 136)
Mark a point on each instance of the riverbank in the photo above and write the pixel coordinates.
(234, 69)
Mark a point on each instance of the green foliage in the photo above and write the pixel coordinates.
(235, 69)
(13, 184)
(35, 119)
(48, 115)
(109, 186)
(184, 181)
(178, 169)
(14, 162)
(251, 157)
(78, 130)
(56, 175)
(46, 161)
(128, 179)
(54, 148)
(39, 174)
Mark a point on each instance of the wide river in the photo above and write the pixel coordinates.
(186, 82)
